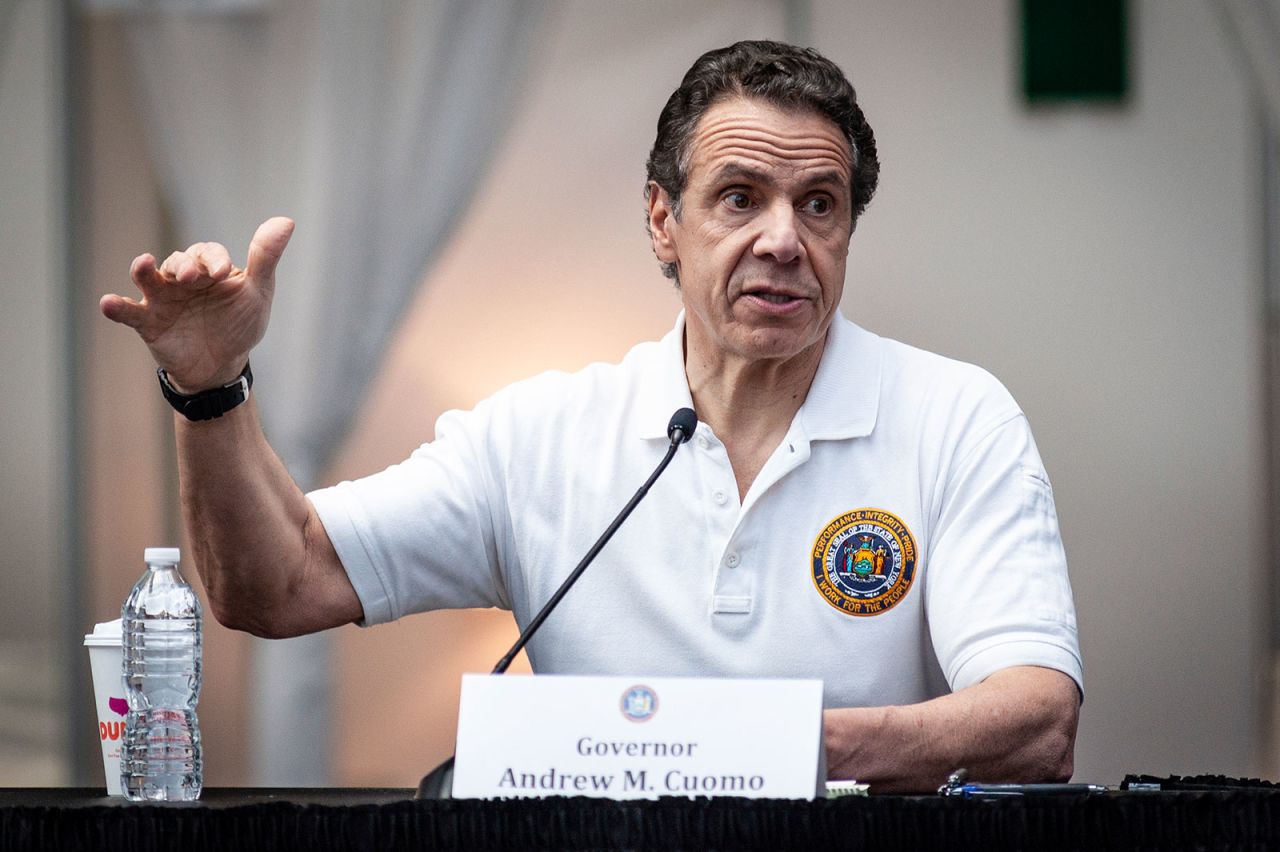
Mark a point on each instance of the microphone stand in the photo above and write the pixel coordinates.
(438, 783)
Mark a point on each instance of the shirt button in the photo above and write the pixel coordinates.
(703, 442)
(719, 497)
(731, 560)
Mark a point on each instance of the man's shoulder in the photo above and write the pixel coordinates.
(921, 368)
(912, 379)
(553, 389)
(600, 395)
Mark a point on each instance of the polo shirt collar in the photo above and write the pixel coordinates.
(843, 400)
(664, 386)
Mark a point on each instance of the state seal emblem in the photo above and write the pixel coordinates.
(639, 703)
(864, 561)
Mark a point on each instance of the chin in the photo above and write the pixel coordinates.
(774, 346)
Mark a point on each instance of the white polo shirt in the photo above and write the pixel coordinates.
(901, 541)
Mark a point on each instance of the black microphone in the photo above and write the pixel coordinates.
(679, 429)
(681, 426)
(438, 783)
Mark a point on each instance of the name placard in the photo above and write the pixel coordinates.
(637, 738)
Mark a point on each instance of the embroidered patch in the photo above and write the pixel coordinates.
(864, 561)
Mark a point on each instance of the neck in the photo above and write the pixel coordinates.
(749, 404)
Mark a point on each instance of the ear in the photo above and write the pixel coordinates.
(662, 224)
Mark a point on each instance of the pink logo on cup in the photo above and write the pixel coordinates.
(118, 706)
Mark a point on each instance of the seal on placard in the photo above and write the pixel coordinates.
(639, 703)
(864, 561)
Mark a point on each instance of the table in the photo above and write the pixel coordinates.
(358, 819)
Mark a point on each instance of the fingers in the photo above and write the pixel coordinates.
(214, 258)
(122, 310)
(144, 274)
(127, 311)
(202, 264)
(200, 261)
(265, 249)
(177, 268)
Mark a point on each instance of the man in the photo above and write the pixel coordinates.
(851, 509)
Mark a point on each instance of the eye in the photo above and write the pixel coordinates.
(737, 200)
(819, 205)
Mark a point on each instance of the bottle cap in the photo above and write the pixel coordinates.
(162, 556)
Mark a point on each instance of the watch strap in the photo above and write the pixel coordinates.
(211, 403)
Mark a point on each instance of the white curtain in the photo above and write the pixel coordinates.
(370, 124)
(1252, 28)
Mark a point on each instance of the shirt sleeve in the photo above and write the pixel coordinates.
(421, 534)
(997, 593)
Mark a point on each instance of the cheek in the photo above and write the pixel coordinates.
(712, 232)
(720, 245)
(828, 250)
(828, 265)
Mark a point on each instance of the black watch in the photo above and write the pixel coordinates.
(209, 404)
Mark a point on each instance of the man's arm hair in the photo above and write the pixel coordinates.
(267, 563)
(258, 544)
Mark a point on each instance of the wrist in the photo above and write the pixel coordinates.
(218, 380)
(207, 404)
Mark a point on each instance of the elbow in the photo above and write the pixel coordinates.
(221, 600)
(231, 617)
(219, 606)
(1039, 737)
(223, 615)
(234, 615)
(263, 627)
(1055, 752)
(247, 607)
(1059, 760)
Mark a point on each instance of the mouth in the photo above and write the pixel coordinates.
(774, 299)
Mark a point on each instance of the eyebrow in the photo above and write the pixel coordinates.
(738, 171)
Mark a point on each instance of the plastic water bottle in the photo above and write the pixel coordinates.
(160, 754)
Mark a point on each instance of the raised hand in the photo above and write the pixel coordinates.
(200, 314)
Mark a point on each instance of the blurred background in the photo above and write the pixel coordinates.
(467, 182)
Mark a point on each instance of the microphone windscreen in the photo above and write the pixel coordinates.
(682, 425)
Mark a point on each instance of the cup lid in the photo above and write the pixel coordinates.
(106, 633)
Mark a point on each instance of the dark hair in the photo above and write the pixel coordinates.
(781, 74)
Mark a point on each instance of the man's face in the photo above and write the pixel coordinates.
(763, 233)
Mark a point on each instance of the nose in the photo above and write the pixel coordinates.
(779, 237)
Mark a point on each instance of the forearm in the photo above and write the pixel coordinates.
(1018, 725)
(258, 545)
(267, 564)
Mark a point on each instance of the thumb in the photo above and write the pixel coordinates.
(265, 249)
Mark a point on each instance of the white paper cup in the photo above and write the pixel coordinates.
(106, 661)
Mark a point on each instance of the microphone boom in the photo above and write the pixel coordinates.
(438, 783)
(679, 429)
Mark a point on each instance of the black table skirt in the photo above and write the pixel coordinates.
(323, 819)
